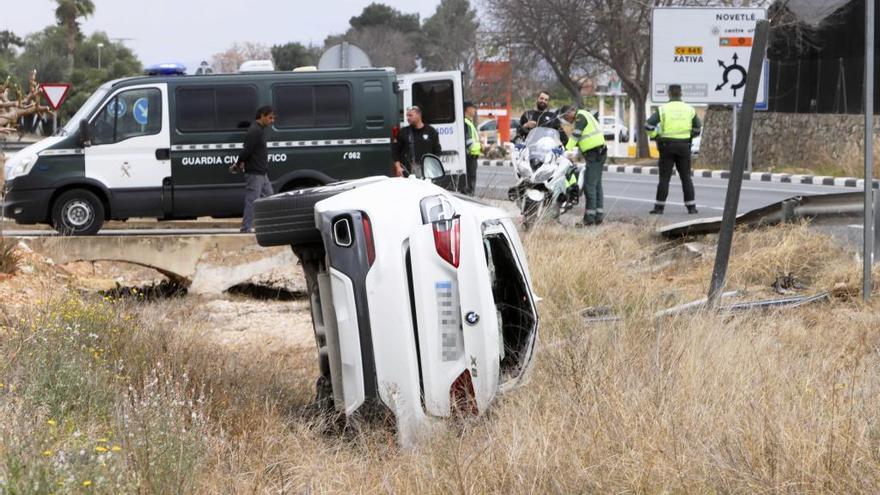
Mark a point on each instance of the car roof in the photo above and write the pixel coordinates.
(251, 76)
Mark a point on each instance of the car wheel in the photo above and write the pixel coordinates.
(288, 219)
(78, 212)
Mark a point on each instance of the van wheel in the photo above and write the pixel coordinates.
(78, 212)
(288, 219)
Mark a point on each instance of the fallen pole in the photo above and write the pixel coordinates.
(734, 186)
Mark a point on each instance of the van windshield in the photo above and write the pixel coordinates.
(85, 110)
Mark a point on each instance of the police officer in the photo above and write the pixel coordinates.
(540, 116)
(674, 125)
(587, 135)
(472, 146)
(413, 143)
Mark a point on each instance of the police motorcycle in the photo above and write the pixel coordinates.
(548, 183)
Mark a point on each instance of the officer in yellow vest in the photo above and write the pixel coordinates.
(588, 137)
(674, 125)
(472, 146)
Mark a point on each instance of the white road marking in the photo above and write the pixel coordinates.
(651, 201)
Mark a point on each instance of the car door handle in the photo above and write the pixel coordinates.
(163, 154)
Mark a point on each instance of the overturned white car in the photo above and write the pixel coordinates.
(421, 299)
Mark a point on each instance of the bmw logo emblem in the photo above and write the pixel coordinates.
(472, 318)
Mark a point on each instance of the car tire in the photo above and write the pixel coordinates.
(288, 219)
(78, 212)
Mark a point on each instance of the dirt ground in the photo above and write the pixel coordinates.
(234, 320)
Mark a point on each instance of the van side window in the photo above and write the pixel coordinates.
(128, 114)
(224, 108)
(436, 99)
(305, 106)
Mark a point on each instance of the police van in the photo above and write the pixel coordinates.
(160, 146)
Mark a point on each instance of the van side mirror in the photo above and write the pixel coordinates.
(85, 134)
(432, 167)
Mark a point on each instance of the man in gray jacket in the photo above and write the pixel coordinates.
(254, 161)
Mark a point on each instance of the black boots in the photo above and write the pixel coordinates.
(692, 210)
(658, 210)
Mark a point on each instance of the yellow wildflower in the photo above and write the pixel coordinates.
(47, 453)
(52, 422)
(100, 449)
(87, 483)
(103, 440)
(116, 448)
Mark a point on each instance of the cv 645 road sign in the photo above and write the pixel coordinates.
(706, 51)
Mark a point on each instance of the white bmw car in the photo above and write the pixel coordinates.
(421, 299)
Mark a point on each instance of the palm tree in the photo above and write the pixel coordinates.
(67, 13)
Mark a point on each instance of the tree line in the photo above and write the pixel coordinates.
(61, 52)
(444, 41)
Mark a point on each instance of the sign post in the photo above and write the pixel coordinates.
(734, 186)
(868, 231)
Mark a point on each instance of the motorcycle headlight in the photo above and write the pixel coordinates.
(19, 165)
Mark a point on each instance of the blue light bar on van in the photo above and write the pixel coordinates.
(165, 70)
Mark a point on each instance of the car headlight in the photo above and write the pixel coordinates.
(19, 165)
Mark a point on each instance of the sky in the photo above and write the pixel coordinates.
(190, 31)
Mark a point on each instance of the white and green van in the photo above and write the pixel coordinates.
(160, 146)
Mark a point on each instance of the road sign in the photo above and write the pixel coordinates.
(705, 50)
(55, 93)
(141, 111)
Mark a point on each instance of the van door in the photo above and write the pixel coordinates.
(129, 150)
(439, 95)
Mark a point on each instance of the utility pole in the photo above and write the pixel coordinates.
(100, 45)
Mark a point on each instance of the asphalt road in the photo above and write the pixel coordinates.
(629, 196)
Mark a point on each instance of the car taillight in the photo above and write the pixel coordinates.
(447, 239)
(394, 132)
(462, 399)
(368, 238)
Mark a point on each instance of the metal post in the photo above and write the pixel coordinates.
(54, 123)
(749, 162)
(601, 106)
(734, 185)
(735, 112)
(868, 252)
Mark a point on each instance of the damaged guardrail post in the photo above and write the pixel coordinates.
(734, 185)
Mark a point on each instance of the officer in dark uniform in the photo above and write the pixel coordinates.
(674, 125)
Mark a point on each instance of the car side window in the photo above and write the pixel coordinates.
(128, 114)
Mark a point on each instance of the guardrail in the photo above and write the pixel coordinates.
(13, 146)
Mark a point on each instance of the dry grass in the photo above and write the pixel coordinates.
(783, 401)
(10, 258)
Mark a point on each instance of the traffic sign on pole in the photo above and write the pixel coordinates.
(55, 93)
(705, 50)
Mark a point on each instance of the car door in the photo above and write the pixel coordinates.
(440, 97)
(129, 149)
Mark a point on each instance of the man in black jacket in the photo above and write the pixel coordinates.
(414, 142)
(540, 116)
(254, 161)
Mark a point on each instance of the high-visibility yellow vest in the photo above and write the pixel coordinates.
(676, 120)
(475, 149)
(591, 137)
